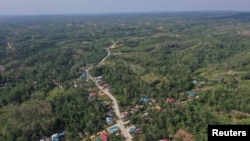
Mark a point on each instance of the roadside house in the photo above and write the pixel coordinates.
(106, 86)
(109, 120)
(191, 95)
(104, 136)
(114, 129)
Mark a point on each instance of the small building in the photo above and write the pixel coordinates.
(109, 120)
(145, 99)
(103, 103)
(110, 113)
(75, 85)
(153, 100)
(80, 134)
(44, 138)
(2, 69)
(83, 76)
(150, 119)
(98, 139)
(170, 100)
(106, 86)
(58, 136)
(125, 115)
(157, 107)
(164, 140)
(98, 78)
(132, 129)
(104, 136)
(114, 129)
(92, 95)
(137, 106)
(195, 82)
(191, 95)
(145, 115)
(202, 83)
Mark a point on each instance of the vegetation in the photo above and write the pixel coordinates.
(161, 56)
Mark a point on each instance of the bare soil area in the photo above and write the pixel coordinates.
(184, 135)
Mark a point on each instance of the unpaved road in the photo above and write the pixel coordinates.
(9, 44)
(108, 51)
(120, 122)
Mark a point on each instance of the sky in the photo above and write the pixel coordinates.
(38, 7)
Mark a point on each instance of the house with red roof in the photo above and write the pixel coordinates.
(104, 136)
(92, 94)
(106, 86)
(170, 100)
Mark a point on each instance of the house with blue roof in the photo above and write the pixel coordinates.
(109, 120)
(58, 136)
(191, 95)
(83, 76)
(114, 129)
(146, 99)
(132, 129)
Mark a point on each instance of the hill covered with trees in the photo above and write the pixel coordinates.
(159, 55)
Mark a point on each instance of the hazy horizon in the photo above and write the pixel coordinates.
(66, 7)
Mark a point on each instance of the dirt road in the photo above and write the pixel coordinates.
(120, 122)
(9, 44)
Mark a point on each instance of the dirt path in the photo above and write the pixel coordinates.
(120, 122)
(108, 51)
(9, 44)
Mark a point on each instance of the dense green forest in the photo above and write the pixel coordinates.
(160, 55)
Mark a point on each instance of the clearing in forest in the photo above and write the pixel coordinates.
(182, 134)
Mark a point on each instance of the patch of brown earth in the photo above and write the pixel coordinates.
(115, 46)
(118, 53)
(203, 89)
(182, 134)
(239, 114)
(245, 32)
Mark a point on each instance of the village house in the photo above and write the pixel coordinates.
(80, 134)
(106, 86)
(44, 138)
(157, 107)
(199, 83)
(191, 95)
(109, 120)
(92, 95)
(133, 110)
(145, 115)
(137, 106)
(83, 76)
(132, 129)
(125, 115)
(104, 136)
(98, 78)
(110, 113)
(75, 85)
(150, 119)
(58, 136)
(170, 100)
(98, 139)
(114, 129)
(2, 69)
(164, 140)
(146, 99)
(103, 103)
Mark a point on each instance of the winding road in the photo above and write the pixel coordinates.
(120, 122)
